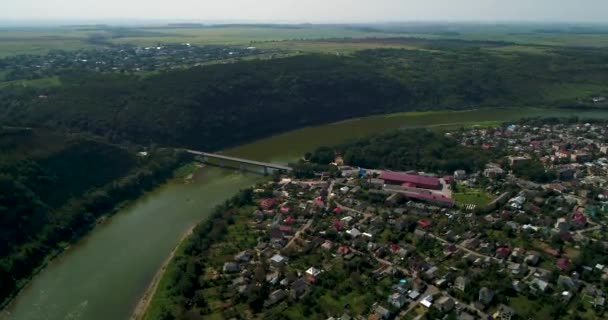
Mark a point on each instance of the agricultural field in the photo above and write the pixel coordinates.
(520, 39)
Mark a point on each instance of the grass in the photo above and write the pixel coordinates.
(572, 91)
(37, 83)
(477, 197)
(529, 309)
(343, 48)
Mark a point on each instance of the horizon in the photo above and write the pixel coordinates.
(143, 22)
(312, 11)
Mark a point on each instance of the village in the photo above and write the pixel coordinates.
(377, 244)
(123, 58)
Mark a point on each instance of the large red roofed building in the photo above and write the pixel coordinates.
(410, 180)
(431, 197)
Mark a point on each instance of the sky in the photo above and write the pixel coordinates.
(312, 11)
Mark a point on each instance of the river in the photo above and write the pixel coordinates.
(105, 274)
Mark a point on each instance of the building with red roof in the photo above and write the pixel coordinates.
(424, 223)
(410, 180)
(563, 264)
(431, 197)
(503, 252)
(267, 203)
(344, 250)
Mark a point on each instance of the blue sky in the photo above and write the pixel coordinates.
(309, 10)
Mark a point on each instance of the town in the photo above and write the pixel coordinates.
(361, 243)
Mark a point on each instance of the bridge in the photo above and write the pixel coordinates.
(242, 162)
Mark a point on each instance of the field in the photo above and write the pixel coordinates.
(38, 40)
(37, 83)
(479, 198)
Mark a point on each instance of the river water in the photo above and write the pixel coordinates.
(104, 275)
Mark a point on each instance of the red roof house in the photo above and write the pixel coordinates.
(563, 263)
(424, 223)
(267, 203)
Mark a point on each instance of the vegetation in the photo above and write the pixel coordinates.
(414, 149)
(54, 187)
(184, 286)
(225, 105)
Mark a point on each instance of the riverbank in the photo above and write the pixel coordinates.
(23, 284)
(146, 299)
(112, 269)
(176, 173)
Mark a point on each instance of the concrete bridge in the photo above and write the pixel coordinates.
(242, 162)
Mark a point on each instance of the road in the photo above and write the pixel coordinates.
(297, 235)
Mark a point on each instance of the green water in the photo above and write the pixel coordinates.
(104, 276)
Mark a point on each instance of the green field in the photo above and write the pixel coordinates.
(37, 83)
(41, 40)
(478, 198)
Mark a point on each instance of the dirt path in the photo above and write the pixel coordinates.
(146, 299)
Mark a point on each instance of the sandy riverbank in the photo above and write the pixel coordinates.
(146, 299)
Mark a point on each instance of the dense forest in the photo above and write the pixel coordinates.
(54, 187)
(413, 149)
(216, 106)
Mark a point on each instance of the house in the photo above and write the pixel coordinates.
(563, 264)
(532, 258)
(427, 301)
(485, 296)
(461, 283)
(231, 267)
(460, 174)
(397, 299)
(278, 260)
(312, 273)
(539, 284)
(327, 245)
(505, 313)
(518, 269)
(413, 295)
(567, 283)
(518, 162)
(562, 225)
(354, 232)
(381, 311)
(298, 289)
(431, 272)
(243, 256)
(275, 297)
(273, 277)
(410, 180)
(445, 304)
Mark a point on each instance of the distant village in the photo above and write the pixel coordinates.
(377, 244)
(125, 59)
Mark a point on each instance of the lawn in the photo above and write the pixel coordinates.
(476, 197)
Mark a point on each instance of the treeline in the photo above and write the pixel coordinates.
(51, 198)
(182, 288)
(217, 106)
(413, 149)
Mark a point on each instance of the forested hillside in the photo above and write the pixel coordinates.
(54, 186)
(217, 106)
